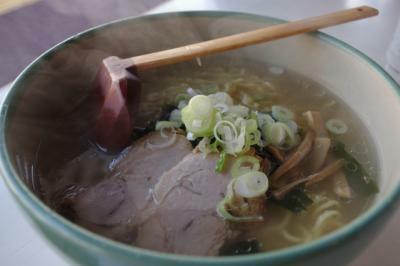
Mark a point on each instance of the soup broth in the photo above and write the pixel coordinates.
(259, 88)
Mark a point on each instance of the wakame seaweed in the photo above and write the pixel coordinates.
(195, 142)
(139, 132)
(359, 180)
(263, 153)
(244, 247)
(295, 200)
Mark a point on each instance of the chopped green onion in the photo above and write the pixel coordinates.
(227, 134)
(239, 110)
(293, 126)
(204, 146)
(201, 106)
(214, 147)
(199, 116)
(201, 128)
(191, 92)
(221, 98)
(251, 125)
(253, 135)
(281, 135)
(221, 163)
(222, 107)
(264, 119)
(336, 126)
(182, 104)
(251, 184)
(175, 115)
(276, 134)
(224, 213)
(229, 196)
(182, 97)
(281, 113)
(232, 117)
(253, 138)
(253, 115)
(244, 164)
(167, 124)
(225, 131)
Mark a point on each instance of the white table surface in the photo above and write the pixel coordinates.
(20, 244)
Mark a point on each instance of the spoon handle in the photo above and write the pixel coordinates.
(270, 33)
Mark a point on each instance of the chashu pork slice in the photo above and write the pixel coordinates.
(111, 206)
(182, 218)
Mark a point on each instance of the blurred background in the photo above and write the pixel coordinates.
(30, 27)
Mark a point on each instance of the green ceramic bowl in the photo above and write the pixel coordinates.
(57, 81)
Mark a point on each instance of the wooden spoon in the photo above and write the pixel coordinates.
(118, 89)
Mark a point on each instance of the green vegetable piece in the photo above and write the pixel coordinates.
(182, 97)
(200, 127)
(264, 120)
(167, 124)
(277, 134)
(251, 162)
(359, 180)
(280, 135)
(201, 106)
(214, 147)
(226, 215)
(336, 126)
(296, 200)
(281, 113)
(221, 162)
(253, 115)
(175, 115)
(199, 116)
(251, 125)
(251, 184)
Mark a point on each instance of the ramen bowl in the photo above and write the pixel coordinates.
(58, 81)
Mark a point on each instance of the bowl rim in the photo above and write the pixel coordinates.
(75, 233)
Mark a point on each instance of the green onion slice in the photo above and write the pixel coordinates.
(160, 125)
(281, 113)
(264, 119)
(199, 116)
(224, 213)
(219, 167)
(244, 164)
(225, 131)
(221, 98)
(175, 115)
(336, 126)
(182, 97)
(280, 135)
(251, 184)
(201, 106)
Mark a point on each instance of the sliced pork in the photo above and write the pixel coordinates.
(115, 201)
(183, 218)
